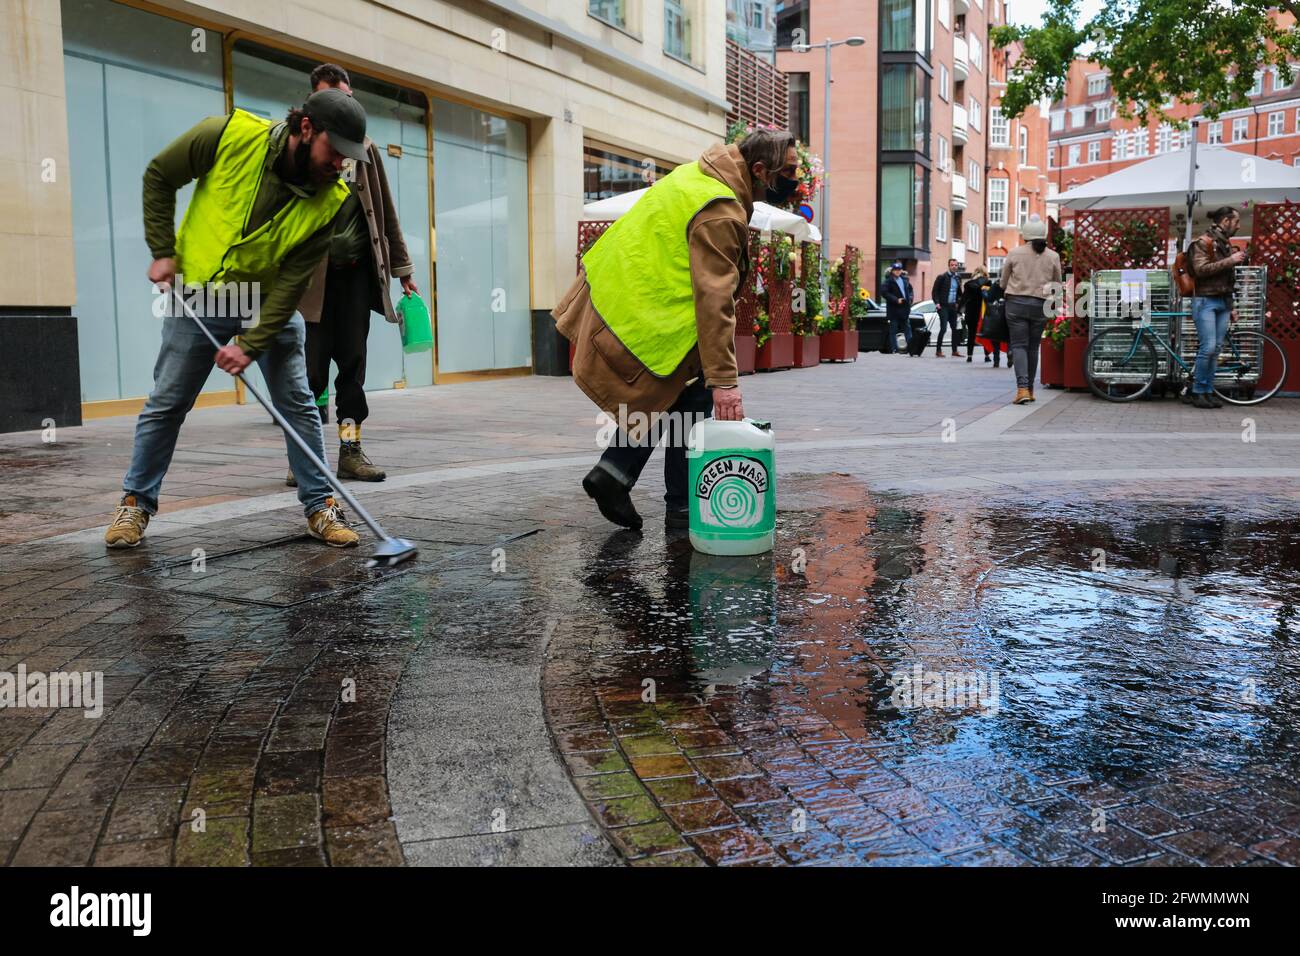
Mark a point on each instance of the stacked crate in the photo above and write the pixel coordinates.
(1117, 300)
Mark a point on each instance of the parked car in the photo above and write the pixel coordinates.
(930, 313)
(873, 327)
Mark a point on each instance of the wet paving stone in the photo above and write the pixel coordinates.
(778, 693)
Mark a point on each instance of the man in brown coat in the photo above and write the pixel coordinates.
(626, 385)
(366, 253)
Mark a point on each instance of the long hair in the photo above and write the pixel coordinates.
(1039, 245)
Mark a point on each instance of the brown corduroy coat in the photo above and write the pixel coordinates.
(718, 243)
(389, 258)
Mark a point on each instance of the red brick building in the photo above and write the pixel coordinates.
(1017, 180)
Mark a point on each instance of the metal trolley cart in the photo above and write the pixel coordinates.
(1128, 298)
(1249, 302)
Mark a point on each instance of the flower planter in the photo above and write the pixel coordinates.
(1051, 365)
(839, 346)
(1074, 350)
(807, 351)
(776, 353)
(745, 354)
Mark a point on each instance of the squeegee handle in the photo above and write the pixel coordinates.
(290, 431)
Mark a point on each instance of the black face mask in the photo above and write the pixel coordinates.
(780, 194)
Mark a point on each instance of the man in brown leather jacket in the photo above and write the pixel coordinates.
(762, 165)
(1213, 267)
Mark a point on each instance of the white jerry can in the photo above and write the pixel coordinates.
(732, 469)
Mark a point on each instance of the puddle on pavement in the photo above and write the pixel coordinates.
(1109, 640)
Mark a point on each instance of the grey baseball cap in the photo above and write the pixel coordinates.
(338, 114)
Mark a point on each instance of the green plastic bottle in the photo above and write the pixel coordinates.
(732, 469)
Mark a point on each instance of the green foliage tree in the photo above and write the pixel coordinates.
(1155, 51)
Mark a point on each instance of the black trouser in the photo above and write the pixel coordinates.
(947, 320)
(625, 459)
(972, 323)
(341, 335)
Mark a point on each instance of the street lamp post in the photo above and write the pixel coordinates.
(825, 211)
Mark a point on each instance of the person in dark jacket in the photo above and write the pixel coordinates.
(946, 293)
(896, 290)
(972, 299)
(1214, 270)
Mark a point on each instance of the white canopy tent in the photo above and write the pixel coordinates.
(1223, 177)
(765, 218)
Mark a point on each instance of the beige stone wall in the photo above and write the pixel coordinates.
(474, 52)
(36, 203)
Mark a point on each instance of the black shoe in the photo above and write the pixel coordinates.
(612, 498)
(987, 357)
(970, 358)
(1203, 401)
(677, 519)
(1214, 400)
(1188, 397)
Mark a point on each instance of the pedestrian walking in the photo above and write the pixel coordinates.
(1030, 276)
(366, 253)
(946, 294)
(1213, 265)
(261, 216)
(652, 314)
(896, 290)
(972, 304)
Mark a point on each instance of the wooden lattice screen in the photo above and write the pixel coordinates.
(747, 301)
(1117, 239)
(757, 91)
(780, 310)
(1275, 243)
(588, 232)
(852, 256)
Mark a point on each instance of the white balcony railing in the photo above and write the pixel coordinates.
(958, 191)
(960, 59)
(960, 124)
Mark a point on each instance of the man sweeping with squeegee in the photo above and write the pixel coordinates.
(263, 212)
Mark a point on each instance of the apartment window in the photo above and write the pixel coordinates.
(613, 12)
(995, 264)
(1022, 214)
(1074, 156)
(1097, 84)
(1094, 151)
(941, 225)
(1103, 113)
(903, 190)
(945, 13)
(608, 172)
(1276, 121)
(1051, 159)
(976, 52)
(1024, 146)
(999, 129)
(1141, 142)
(1058, 122)
(905, 26)
(798, 85)
(1119, 149)
(941, 154)
(976, 115)
(1164, 138)
(1239, 128)
(972, 237)
(973, 175)
(905, 97)
(1078, 116)
(677, 28)
(1295, 160)
(945, 83)
(1297, 120)
(998, 201)
(1214, 134)
(1257, 87)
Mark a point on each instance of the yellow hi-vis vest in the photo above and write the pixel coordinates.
(211, 246)
(639, 271)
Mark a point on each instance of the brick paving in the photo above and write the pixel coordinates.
(281, 707)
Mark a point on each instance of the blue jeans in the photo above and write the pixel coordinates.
(184, 363)
(947, 320)
(1211, 313)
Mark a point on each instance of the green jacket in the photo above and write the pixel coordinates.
(193, 154)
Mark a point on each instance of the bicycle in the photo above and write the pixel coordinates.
(1121, 363)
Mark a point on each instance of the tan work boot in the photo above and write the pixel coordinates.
(128, 524)
(290, 480)
(1031, 394)
(353, 463)
(329, 525)
(1023, 396)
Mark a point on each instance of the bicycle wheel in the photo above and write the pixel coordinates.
(1252, 368)
(1120, 365)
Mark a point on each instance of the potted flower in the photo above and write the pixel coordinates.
(838, 339)
(776, 271)
(1051, 360)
